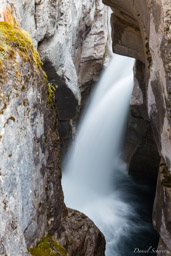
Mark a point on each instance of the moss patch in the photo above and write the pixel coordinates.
(14, 39)
(51, 93)
(48, 247)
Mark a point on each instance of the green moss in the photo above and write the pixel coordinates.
(51, 93)
(48, 247)
(14, 39)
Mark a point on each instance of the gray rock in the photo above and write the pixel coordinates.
(72, 39)
(80, 236)
(30, 175)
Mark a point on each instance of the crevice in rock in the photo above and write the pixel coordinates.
(66, 104)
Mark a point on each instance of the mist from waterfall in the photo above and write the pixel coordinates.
(95, 180)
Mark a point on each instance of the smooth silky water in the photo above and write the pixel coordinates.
(95, 180)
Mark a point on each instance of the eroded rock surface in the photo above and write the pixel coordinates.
(162, 205)
(31, 199)
(140, 149)
(71, 37)
(80, 236)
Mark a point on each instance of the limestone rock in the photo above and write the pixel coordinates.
(162, 205)
(81, 237)
(128, 42)
(140, 150)
(74, 55)
(31, 197)
(138, 100)
(72, 39)
(162, 248)
(144, 163)
(154, 33)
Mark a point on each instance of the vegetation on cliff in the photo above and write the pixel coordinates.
(51, 94)
(48, 247)
(13, 40)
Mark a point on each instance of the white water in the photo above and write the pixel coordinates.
(93, 173)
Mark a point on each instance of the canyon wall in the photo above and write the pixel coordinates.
(71, 38)
(141, 29)
(31, 196)
(36, 110)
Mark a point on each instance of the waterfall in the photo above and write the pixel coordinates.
(94, 178)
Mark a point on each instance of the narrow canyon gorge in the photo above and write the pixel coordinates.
(52, 53)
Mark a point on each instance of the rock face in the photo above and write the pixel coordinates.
(140, 29)
(80, 236)
(31, 199)
(140, 149)
(31, 196)
(71, 37)
(162, 205)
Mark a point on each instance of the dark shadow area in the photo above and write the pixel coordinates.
(141, 239)
(64, 98)
(145, 161)
(66, 105)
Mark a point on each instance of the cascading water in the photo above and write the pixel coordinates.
(95, 181)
